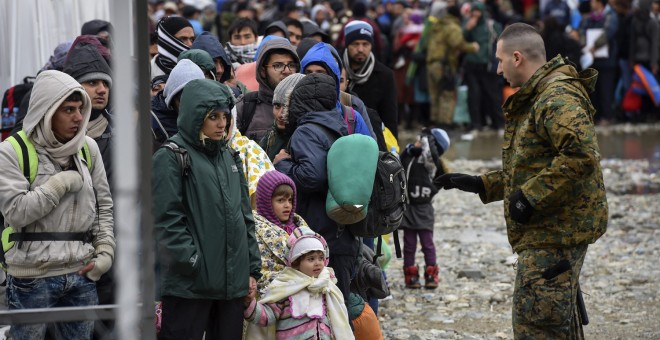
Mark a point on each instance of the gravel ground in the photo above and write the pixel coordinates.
(473, 301)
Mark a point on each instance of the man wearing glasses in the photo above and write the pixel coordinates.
(276, 60)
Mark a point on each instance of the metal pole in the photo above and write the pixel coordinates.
(125, 159)
(145, 142)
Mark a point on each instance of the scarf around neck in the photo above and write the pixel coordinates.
(306, 296)
(169, 48)
(362, 75)
(242, 54)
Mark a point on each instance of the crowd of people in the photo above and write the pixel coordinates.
(247, 100)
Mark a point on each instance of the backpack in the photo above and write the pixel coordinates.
(11, 101)
(387, 204)
(350, 177)
(28, 162)
(250, 101)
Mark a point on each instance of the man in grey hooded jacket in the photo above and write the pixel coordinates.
(272, 54)
(61, 238)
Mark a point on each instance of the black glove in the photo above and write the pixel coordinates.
(520, 209)
(460, 181)
(419, 57)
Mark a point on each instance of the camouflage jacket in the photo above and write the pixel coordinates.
(551, 153)
(446, 41)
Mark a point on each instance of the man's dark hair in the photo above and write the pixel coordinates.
(293, 22)
(74, 97)
(153, 38)
(241, 23)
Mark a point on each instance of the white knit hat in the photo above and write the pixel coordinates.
(305, 245)
(184, 71)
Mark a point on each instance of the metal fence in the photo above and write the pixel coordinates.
(134, 257)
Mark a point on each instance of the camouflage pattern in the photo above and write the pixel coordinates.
(551, 153)
(547, 308)
(443, 101)
(443, 47)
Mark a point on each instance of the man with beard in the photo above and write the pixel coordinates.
(88, 68)
(370, 79)
(277, 59)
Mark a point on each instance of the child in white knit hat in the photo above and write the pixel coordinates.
(303, 301)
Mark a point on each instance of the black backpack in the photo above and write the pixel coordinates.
(11, 101)
(250, 101)
(387, 204)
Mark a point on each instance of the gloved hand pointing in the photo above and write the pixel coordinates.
(461, 182)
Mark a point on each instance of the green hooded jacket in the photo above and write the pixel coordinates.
(203, 222)
(551, 153)
(485, 33)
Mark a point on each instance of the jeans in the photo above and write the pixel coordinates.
(58, 291)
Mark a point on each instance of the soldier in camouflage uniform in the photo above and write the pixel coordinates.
(444, 44)
(551, 183)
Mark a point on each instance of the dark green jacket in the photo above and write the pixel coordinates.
(274, 141)
(551, 153)
(485, 33)
(203, 222)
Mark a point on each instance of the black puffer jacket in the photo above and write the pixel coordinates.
(317, 124)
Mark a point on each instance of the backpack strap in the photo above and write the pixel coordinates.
(181, 156)
(345, 98)
(87, 156)
(27, 155)
(163, 133)
(349, 118)
(250, 101)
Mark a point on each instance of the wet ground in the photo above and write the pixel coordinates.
(624, 141)
(620, 273)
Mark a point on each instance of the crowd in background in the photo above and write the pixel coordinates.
(250, 87)
(410, 38)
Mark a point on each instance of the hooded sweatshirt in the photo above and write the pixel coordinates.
(209, 43)
(312, 105)
(163, 122)
(263, 115)
(35, 207)
(204, 226)
(321, 54)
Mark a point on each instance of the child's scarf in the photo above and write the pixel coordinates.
(301, 290)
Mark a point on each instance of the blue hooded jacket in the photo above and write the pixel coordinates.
(209, 43)
(321, 54)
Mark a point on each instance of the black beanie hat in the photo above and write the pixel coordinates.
(174, 24)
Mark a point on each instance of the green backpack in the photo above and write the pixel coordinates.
(28, 161)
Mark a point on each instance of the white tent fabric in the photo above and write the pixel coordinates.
(31, 29)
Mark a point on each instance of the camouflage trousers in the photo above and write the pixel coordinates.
(544, 306)
(443, 100)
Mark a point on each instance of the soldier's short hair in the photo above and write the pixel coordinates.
(524, 38)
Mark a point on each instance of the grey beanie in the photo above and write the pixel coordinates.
(184, 71)
(95, 76)
(282, 92)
